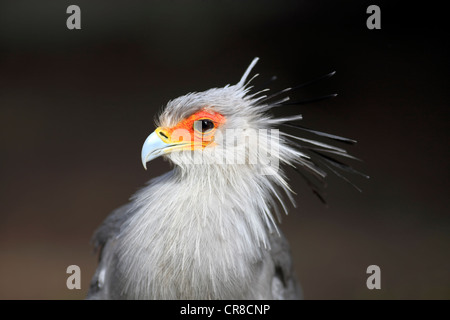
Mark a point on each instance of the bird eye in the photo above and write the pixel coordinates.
(203, 125)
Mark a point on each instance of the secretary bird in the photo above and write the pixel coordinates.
(206, 229)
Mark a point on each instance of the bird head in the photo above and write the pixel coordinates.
(231, 127)
(220, 126)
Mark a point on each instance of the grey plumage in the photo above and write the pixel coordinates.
(205, 230)
(275, 277)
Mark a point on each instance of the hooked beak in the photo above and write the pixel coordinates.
(153, 147)
(160, 142)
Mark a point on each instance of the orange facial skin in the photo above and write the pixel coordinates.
(184, 133)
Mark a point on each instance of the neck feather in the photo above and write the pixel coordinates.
(209, 221)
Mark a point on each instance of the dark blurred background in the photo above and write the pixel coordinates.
(76, 106)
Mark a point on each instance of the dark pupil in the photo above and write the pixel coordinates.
(206, 125)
